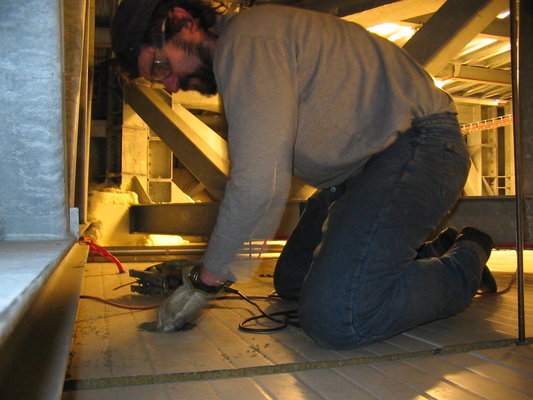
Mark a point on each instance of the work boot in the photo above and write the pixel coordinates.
(440, 245)
(444, 240)
(488, 283)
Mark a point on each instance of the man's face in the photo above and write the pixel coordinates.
(191, 64)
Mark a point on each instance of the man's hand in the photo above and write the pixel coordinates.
(187, 303)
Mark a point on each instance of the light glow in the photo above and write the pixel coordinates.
(503, 14)
(476, 45)
(403, 33)
(440, 83)
(392, 31)
(384, 29)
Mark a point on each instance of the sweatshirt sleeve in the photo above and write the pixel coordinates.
(259, 90)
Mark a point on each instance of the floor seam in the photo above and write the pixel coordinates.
(248, 372)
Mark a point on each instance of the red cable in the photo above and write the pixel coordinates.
(512, 245)
(106, 255)
(504, 290)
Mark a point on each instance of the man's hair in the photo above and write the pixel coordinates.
(137, 23)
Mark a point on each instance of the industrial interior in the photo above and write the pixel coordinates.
(100, 178)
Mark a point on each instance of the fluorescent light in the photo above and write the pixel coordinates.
(403, 32)
(441, 82)
(503, 14)
(477, 44)
(384, 29)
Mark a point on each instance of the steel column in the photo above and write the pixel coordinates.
(522, 56)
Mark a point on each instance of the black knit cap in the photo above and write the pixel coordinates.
(127, 31)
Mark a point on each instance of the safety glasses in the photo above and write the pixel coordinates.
(161, 68)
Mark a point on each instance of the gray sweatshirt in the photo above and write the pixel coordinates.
(308, 95)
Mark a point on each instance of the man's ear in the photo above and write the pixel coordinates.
(180, 13)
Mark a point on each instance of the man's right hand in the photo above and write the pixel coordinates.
(186, 304)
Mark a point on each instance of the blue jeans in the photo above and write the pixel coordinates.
(352, 259)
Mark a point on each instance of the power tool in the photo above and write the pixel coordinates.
(160, 280)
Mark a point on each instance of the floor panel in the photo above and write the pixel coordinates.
(112, 359)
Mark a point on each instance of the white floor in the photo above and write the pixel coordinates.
(472, 355)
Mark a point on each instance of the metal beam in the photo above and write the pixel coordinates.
(196, 219)
(476, 74)
(199, 219)
(395, 12)
(498, 29)
(339, 8)
(36, 354)
(199, 148)
(450, 29)
(492, 214)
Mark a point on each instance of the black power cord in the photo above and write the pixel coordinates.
(290, 317)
